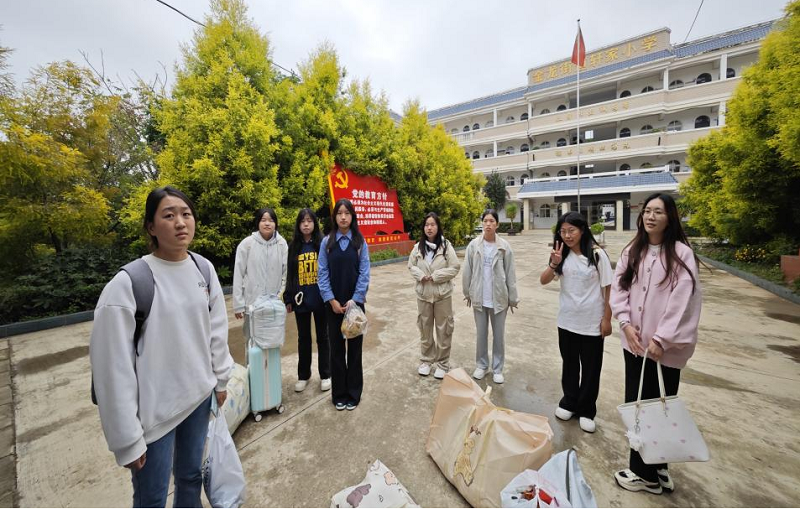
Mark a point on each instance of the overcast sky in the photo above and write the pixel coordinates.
(441, 52)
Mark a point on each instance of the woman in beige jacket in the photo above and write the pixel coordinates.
(489, 282)
(434, 264)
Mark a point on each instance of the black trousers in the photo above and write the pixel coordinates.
(633, 370)
(582, 360)
(347, 376)
(304, 344)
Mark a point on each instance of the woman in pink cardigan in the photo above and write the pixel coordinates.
(656, 298)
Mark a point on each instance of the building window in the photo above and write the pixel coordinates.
(646, 165)
(509, 151)
(625, 93)
(675, 84)
(674, 166)
(510, 119)
(703, 78)
(561, 142)
(545, 144)
(646, 129)
(466, 154)
(562, 173)
(454, 130)
(648, 88)
(544, 175)
(489, 124)
(624, 132)
(510, 181)
(522, 180)
(730, 73)
(675, 125)
(544, 112)
(524, 147)
(625, 167)
(466, 129)
(702, 121)
(489, 153)
(561, 107)
(476, 126)
(544, 210)
(476, 155)
(524, 116)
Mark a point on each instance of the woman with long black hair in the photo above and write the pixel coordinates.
(343, 283)
(584, 315)
(657, 299)
(302, 296)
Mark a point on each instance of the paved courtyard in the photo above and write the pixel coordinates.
(743, 387)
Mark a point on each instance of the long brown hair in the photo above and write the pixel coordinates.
(672, 234)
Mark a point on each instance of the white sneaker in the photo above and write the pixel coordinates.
(479, 373)
(564, 415)
(439, 373)
(424, 369)
(665, 480)
(587, 424)
(325, 384)
(300, 386)
(498, 378)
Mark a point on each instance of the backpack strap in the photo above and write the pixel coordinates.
(204, 266)
(144, 289)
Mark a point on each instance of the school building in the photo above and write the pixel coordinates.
(643, 101)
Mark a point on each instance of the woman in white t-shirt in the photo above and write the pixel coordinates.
(584, 315)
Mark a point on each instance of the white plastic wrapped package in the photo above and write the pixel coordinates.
(223, 477)
(380, 488)
(561, 480)
(237, 405)
(265, 323)
(354, 323)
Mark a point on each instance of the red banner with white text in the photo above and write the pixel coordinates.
(377, 209)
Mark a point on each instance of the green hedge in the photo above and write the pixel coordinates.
(383, 254)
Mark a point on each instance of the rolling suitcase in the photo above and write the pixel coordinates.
(265, 379)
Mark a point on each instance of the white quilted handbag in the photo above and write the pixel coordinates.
(661, 430)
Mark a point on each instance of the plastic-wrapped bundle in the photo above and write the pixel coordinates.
(266, 322)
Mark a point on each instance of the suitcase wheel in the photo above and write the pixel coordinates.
(281, 409)
(257, 417)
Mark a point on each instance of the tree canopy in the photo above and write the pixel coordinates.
(746, 176)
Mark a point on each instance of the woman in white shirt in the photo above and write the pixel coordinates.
(489, 283)
(584, 315)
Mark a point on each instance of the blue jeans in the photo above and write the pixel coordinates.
(184, 445)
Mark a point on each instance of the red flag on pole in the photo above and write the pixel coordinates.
(579, 50)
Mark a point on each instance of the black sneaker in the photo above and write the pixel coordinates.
(632, 482)
(340, 406)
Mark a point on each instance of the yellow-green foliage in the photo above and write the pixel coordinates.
(746, 177)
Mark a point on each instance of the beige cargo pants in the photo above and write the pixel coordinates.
(436, 351)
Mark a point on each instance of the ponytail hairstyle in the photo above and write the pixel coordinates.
(637, 248)
(358, 239)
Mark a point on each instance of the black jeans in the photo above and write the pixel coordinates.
(347, 376)
(582, 360)
(304, 344)
(633, 370)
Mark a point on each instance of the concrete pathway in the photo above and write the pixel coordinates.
(742, 386)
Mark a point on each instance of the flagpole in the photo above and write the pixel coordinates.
(578, 65)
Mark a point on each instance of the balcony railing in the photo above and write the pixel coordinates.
(659, 101)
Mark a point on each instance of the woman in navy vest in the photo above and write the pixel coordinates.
(343, 282)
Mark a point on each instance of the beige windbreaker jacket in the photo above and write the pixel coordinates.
(504, 292)
(444, 267)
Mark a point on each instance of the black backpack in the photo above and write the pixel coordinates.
(144, 287)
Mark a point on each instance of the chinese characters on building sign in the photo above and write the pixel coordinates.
(377, 209)
(622, 52)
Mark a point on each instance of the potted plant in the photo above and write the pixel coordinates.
(511, 213)
(598, 230)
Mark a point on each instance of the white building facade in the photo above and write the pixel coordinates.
(643, 101)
